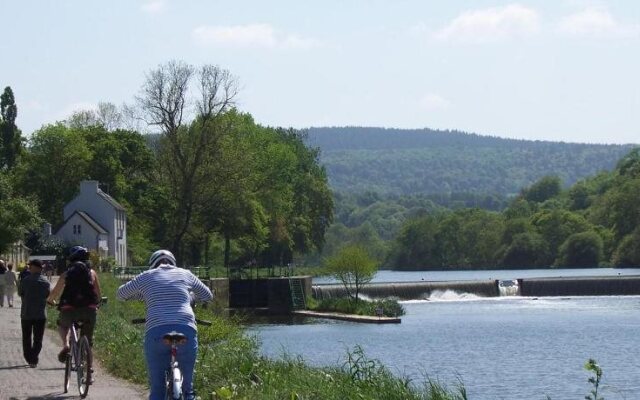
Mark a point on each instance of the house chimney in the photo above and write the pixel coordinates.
(89, 187)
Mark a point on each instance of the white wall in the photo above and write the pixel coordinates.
(88, 237)
(104, 213)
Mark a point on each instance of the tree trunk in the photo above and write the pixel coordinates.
(227, 246)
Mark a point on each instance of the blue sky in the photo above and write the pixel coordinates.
(566, 70)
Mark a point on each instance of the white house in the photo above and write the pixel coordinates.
(95, 220)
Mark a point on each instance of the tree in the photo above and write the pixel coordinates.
(526, 250)
(582, 249)
(17, 214)
(57, 160)
(353, 267)
(415, 246)
(107, 116)
(556, 226)
(166, 99)
(10, 135)
(621, 207)
(544, 189)
(627, 253)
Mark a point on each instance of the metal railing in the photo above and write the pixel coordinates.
(131, 272)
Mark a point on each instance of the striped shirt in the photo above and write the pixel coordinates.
(165, 291)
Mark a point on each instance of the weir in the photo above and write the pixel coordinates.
(586, 286)
(533, 287)
(409, 290)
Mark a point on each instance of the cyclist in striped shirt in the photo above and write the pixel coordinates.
(167, 292)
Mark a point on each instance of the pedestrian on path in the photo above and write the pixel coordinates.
(10, 284)
(34, 290)
(3, 270)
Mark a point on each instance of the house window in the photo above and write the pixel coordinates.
(79, 226)
(75, 229)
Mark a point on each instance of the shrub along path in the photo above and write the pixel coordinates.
(19, 382)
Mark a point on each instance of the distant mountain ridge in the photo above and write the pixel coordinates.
(426, 161)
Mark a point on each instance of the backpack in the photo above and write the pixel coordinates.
(78, 287)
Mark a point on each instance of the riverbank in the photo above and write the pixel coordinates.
(231, 366)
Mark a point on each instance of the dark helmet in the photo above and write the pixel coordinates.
(78, 253)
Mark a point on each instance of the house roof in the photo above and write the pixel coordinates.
(110, 200)
(92, 223)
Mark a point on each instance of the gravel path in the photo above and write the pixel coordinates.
(19, 382)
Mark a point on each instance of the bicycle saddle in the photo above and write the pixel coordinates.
(174, 336)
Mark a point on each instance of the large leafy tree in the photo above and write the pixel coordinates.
(10, 135)
(17, 214)
(294, 192)
(526, 250)
(415, 247)
(232, 207)
(556, 226)
(544, 189)
(582, 249)
(187, 120)
(57, 160)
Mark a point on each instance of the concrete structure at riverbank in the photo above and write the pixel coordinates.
(348, 317)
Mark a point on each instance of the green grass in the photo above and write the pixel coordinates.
(229, 364)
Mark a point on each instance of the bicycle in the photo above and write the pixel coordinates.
(79, 359)
(173, 374)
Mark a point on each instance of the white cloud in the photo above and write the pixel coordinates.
(490, 25)
(153, 6)
(431, 102)
(597, 23)
(254, 35)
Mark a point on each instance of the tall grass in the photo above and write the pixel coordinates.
(229, 364)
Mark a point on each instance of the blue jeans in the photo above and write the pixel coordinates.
(158, 356)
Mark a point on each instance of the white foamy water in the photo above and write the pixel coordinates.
(452, 295)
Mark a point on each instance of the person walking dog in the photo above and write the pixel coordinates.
(34, 290)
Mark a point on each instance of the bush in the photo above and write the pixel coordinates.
(390, 307)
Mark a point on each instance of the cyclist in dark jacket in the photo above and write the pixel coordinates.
(79, 292)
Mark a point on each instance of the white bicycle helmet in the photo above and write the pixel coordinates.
(161, 257)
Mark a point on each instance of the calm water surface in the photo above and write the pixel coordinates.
(507, 348)
(415, 276)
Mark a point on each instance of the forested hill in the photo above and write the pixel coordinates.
(398, 161)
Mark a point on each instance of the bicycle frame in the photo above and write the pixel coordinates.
(173, 375)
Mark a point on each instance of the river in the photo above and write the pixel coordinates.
(507, 348)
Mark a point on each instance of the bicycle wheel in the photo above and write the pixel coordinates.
(173, 383)
(83, 366)
(67, 372)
